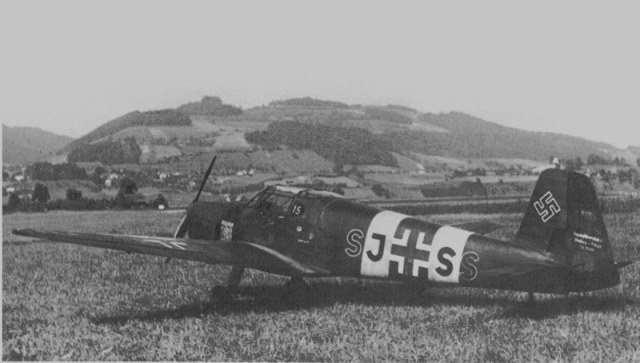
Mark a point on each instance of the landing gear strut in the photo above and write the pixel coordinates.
(225, 293)
(235, 276)
(531, 300)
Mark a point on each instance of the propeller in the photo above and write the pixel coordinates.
(181, 231)
(182, 227)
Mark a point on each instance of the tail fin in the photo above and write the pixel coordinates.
(564, 217)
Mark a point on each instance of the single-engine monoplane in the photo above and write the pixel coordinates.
(561, 246)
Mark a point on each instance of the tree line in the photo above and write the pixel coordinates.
(342, 145)
(48, 171)
(41, 201)
(308, 102)
(107, 152)
(210, 106)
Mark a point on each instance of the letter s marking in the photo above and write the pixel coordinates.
(445, 261)
(354, 240)
(469, 270)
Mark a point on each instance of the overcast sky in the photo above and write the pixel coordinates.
(568, 67)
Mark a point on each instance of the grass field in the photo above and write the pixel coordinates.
(65, 302)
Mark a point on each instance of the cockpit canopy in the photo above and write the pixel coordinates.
(278, 199)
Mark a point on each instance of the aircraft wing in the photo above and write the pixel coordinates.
(267, 259)
(207, 251)
(480, 227)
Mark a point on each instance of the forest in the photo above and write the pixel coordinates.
(107, 152)
(342, 145)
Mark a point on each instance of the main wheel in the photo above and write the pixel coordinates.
(221, 294)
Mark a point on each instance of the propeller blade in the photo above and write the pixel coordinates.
(181, 231)
(204, 180)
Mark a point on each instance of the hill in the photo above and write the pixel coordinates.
(133, 119)
(338, 133)
(472, 137)
(404, 130)
(635, 150)
(23, 145)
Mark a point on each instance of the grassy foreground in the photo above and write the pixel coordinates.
(65, 302)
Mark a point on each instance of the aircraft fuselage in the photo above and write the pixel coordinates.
(356, 240)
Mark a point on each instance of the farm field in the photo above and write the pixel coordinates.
(66, 302)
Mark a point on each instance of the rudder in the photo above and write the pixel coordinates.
(564, 217)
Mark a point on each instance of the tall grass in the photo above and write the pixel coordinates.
(65, 302)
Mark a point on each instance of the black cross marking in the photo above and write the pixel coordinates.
(410, 253)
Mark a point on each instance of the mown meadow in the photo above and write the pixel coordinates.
(66, 302)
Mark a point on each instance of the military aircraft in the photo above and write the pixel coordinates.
(561, 246)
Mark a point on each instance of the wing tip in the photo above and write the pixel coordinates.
(25, 232)
(19, 232)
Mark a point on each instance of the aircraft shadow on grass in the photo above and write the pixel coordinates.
(568, 305)
(269, 299)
